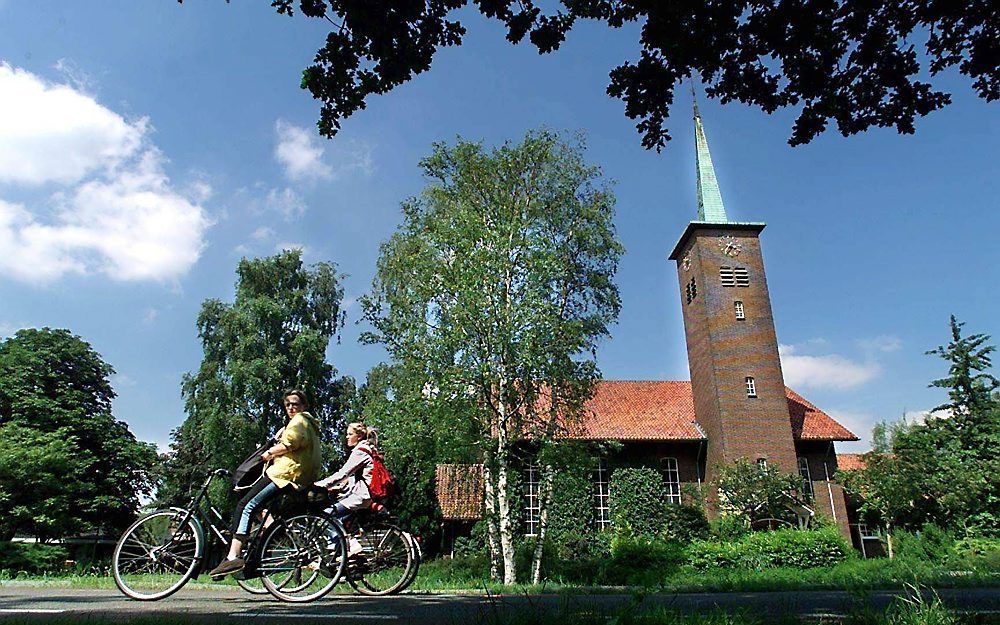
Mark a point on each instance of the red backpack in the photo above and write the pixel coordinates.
(382, 485)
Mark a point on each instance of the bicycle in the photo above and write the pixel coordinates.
(299, 557)
(389, 557)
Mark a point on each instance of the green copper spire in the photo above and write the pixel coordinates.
(710, 207)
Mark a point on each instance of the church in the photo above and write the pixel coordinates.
(736, 404)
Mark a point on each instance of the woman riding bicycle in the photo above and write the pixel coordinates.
(297, 458)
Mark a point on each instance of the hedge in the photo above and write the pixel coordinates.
(790, 548)
(31, 557)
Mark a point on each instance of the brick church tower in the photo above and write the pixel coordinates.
(739, 391)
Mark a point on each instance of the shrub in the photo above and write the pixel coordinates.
(640, 560)
(976, 553)
(685, 523)
(730, 527)
(31, 558)
(638, 501)
(790, 548)
(931, 544)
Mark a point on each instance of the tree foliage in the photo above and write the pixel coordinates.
(493, 295)
(970, 388)
(756, 493)
(854, 63)
(942, 471)
(67, 464)
(273, 337)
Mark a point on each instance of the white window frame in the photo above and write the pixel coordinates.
(602, 499)
(807, 485)
(532, 508)
(751, 386)
(762, 464)
(739, 310)
(671, 480)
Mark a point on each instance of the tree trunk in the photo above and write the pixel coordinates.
(888, 542)
(505, 524)
(492, 530)
(544, 499)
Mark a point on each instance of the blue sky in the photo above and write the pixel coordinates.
(151, 145)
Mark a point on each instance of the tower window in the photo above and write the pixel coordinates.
(751, 387)
(691, 290)
(738, 309)
(807, 484)
(671, 480)
(762, 464)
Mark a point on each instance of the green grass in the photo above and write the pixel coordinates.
(470, 575)
(912, 609)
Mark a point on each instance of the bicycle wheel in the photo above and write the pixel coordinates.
(302, 558)
(254, 586)
(418, 557)
(384, 563)
(155, 556)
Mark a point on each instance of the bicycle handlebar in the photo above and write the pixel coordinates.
(220, 473)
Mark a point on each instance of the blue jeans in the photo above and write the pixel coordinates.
(259, 494)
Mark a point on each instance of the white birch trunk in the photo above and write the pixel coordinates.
(544, 499)
(506, 525)
(492, 531)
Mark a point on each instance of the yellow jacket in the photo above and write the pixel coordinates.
(300, 466)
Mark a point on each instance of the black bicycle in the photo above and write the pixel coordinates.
(297, 554)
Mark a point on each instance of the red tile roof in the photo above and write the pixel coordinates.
(809, 423)
(664, 410)
(851, 462)
(460, 491)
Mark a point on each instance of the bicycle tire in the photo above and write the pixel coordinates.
(418, 557)
(306, 546)
(156, 546)
(387, 561)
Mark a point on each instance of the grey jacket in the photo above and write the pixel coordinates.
(358, 473)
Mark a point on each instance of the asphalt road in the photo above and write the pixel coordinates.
(219, 606)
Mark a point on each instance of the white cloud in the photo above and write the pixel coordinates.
(116, 212)
(825, 371)
(55, 133)
(262, 233)
(149, 317)
(286, 202)
(300, 153)
(883, 343)
(81, 80)
(304, 157)
(921, 416)
(860, 423)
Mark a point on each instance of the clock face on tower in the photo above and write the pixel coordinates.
(730, 246)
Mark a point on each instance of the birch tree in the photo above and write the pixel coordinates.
(499, 285)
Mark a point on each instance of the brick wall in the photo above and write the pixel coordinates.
(723, 351)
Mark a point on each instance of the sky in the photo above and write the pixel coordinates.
(145, 147)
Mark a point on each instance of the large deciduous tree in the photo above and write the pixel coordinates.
(856, 63)
(67, 464)
(273, 337)
(497, 287)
